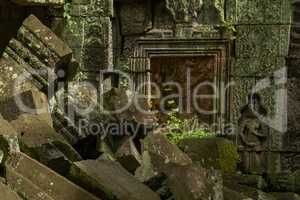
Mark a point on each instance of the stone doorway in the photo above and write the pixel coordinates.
(179, 80)
(207, 58)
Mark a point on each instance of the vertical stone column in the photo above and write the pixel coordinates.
(87, 29)
(262, 35)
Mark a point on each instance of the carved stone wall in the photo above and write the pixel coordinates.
(262, 44)
(86, 26)
(153, 28)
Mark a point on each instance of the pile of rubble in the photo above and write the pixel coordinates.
(41, 158)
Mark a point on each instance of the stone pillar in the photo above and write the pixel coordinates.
(261, 47)
(87, 30)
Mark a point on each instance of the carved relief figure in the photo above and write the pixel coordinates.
(252, 137)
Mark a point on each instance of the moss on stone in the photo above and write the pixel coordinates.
(212, 152)
(228, 156)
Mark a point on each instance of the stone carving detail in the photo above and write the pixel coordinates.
(199, 11)
(89, 34)
(252, 137)
(35, 50)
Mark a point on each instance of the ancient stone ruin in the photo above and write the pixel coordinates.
(149, 100)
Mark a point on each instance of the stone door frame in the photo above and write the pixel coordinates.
(219, 49)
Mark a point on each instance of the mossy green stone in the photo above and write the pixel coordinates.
(212, 152)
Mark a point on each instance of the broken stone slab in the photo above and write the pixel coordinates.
(9, 72)
(65, 126)
(8, 140)
(37, 51)
(162, 152)
(39, 2)
(146, 172)
(157, 153)
(30, 101)
(109, 180)
(218, 153)
(25, 188)
(41, 142)
(194, 182)
(128, 156)
(117, 99)
(44, 42)
(37, 182)
(7, 193)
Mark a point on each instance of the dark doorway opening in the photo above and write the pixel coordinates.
(182, 78)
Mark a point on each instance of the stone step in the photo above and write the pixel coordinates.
(20, 169)
(24, 187)
(7, 193)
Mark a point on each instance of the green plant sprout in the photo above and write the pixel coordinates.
(180, 129)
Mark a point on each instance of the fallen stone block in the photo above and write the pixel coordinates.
(43, 42)
(25, 188)
(162, 152)
(9, 72)
(36, 52)
(128, 156)
(109, 180)
(8, 139)
(30, 101)
(41, 142)
(7, 193)
(35, 181)
(194, 182)
(146, 171)
(158, 153)
(217, 153)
